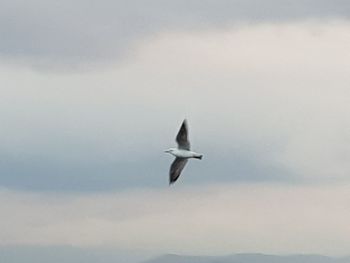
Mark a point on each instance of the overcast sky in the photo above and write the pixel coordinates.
(92, 92)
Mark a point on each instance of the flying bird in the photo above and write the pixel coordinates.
(182, 153)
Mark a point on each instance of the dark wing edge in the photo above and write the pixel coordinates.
(182, 137)
(176, 168)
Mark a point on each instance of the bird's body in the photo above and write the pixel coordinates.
(182, 153)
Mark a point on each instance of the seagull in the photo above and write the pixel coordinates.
(182, 153)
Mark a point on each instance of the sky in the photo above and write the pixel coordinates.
(92, 92)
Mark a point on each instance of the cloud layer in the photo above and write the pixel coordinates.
(269, 218)
(264, 102)
(68, 34)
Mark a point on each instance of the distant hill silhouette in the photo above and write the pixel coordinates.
(249, 258)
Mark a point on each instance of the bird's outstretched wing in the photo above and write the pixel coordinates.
(176, 168)
(182, 137)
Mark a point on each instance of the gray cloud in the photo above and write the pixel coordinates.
(277, 111)
(70, 33)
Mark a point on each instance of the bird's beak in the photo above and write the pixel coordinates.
(166, 151)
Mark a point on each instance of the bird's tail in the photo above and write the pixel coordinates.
(199, 156)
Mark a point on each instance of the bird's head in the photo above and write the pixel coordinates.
(170, 150)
